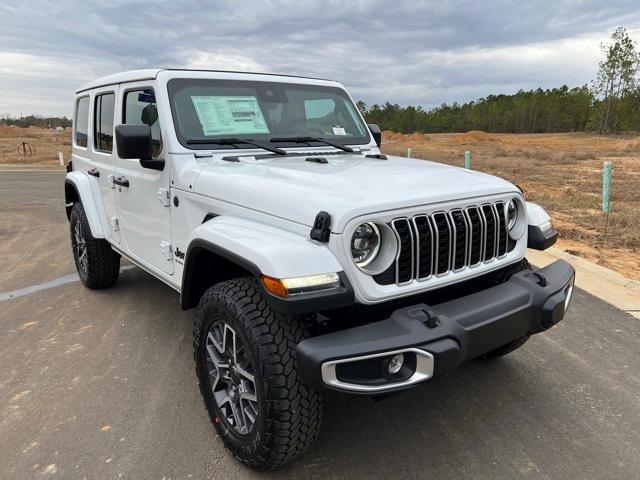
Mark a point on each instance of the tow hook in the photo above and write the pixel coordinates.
(542, 281)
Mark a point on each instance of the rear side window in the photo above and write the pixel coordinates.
(140, 109)
(82, 121)
(103, 125)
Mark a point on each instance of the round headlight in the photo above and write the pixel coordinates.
(512, 214)
(365, 244)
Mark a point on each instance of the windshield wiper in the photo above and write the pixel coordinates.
(311, 139)
(234, 141)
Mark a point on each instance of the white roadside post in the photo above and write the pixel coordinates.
(61, 158)
(408, 153)
(606, 187)
(467, 160)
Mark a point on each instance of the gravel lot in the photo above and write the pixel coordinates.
(102, 385)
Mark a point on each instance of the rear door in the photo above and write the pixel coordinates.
(142, 194)
(92, 152)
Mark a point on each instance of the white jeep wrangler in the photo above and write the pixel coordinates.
(314, 261)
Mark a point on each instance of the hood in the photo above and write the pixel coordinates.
(346, 187)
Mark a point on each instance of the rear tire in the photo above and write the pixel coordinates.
(97, 264)
(273, 418)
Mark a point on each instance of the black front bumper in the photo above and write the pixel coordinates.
(452, 332)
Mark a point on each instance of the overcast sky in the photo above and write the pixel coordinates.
(406, 52)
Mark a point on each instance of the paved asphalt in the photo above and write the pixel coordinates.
(102, 385)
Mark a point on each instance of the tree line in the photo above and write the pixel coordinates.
(610, 105)
(36, 121)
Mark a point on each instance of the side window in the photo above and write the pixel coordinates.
(140, 109)
(82, 122)
(103, 124)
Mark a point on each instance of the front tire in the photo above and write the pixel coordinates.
(97, 264)
(246, 368)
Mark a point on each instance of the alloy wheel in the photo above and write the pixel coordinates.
(231, 377)
(80, 248)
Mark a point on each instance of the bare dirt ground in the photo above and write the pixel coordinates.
(42, 145)
(561, 172)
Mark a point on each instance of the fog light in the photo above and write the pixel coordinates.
(395, 364)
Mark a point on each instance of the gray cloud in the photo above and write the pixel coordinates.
(405, 52)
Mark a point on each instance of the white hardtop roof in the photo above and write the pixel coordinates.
(152, 73)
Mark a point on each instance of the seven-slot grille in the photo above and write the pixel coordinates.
(447, 242)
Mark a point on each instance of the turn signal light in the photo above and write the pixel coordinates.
(274, 286)
(286, 287)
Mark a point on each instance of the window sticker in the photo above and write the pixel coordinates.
(338, 130)
(229, 115)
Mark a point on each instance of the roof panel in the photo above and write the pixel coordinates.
(152, 73)
(122, 77)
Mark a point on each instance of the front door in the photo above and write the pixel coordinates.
(142, 194)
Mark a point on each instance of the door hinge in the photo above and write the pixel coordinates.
(115, 224)
(165, 197)
(165, 248)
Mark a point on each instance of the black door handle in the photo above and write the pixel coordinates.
(94, 172)
(123, 182)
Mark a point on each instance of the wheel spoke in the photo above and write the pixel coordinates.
(251, 397)
(220, 368)
(231, 377)
(80, 248)
(214, 341)
(247, 376)
(243, 414)
(251, 412)
(230, 349)
(216, 378)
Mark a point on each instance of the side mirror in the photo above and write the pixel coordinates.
(375, 132)
(134, 141)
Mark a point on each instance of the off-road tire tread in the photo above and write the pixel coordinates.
(103, 266)
(294, 416)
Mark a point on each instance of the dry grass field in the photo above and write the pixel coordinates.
(45, 145)
(562, 172)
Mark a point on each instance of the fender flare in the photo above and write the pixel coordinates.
(77, 187)
(541, 234)
(536, 215)
(259, 249)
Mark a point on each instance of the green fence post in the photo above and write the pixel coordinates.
(408, 153)
(467, 160)
(606, 187)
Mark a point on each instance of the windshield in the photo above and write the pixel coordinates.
(206, 109)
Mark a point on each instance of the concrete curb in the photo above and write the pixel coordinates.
(602, 283)
(32, 165)
(21, 167)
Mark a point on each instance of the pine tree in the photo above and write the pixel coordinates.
(616, 78)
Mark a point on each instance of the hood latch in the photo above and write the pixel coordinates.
(321, 227)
